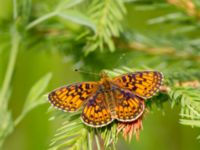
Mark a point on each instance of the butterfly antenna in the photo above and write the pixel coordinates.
(86, 72)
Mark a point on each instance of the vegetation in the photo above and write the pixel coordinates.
(43, 40)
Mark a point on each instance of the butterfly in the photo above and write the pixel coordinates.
(121, 98)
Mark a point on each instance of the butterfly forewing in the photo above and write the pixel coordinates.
(144, 84)
(96, 112)
(71, 97)
(128, 107)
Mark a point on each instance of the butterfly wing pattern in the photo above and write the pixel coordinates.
(144, 84)
(70, 98)
(120, 98)
(128, 107)
(96, 112)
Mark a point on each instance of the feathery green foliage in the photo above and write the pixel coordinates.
(189, 99)
(65, 10)
(73, 134)
(103, 17)
(130, 35)
(35, 97)
(107, 16)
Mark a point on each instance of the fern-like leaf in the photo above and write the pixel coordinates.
(107, 15)
(189, 99)
(73, 134)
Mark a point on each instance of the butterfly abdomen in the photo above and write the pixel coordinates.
(109, 98)
(111, 104)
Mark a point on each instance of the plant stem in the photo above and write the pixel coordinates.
(19, 119)
(97, 142)
(89, 141)
(163, 51)
(9, 72)
(41, 19)
(15, 13)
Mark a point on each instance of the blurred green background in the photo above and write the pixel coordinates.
(42, 51)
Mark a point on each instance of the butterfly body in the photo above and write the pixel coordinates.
(106, 88)
(121, 98)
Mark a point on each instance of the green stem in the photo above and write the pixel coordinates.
(19, 119)
(41, 19)
(15, 13)
(89, 141)
(97, 142)
(10, 68)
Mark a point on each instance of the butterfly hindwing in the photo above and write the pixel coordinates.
(96, 112)
(128, 107)
(72, 97)
(144, 84)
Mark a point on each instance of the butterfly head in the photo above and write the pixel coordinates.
(105, 80)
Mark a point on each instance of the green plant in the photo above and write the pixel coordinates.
(75, 135)
(35, 96)
(174, 50)
(129, 35)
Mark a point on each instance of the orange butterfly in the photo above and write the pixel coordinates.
(120, 98)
